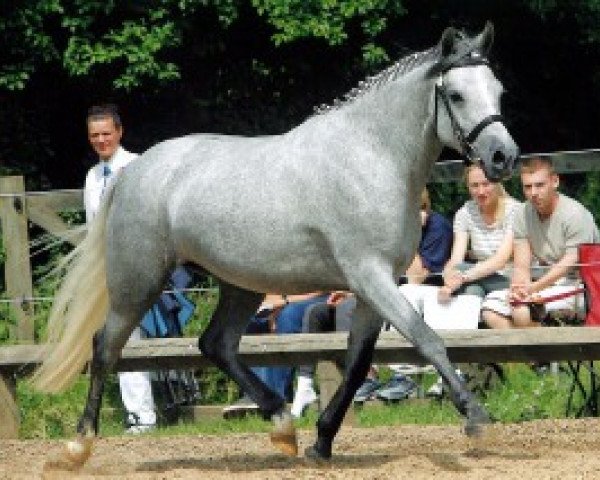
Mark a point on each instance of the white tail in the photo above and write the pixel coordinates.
(79, 309)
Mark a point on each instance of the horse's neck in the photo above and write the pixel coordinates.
(399, 116)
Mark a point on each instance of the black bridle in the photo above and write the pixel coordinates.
(465, 140)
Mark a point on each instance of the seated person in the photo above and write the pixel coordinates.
(277, 314)
(481, 250)
(434, 248)
(336, 312)
(484, 224)
(548, 230)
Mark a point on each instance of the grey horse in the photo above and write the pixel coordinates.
(330, 205)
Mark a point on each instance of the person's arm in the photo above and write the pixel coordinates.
(555, 272)
(521, 277)
(272, 301)
(492, 264)
(300, 297)
(275, 301)
(416, 271)
(337, 297)
(434, 248)
(452, 277)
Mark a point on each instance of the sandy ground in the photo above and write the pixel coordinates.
(563, 449)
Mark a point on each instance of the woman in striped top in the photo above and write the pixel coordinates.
(482, 239)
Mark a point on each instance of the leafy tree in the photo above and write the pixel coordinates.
(136, 39)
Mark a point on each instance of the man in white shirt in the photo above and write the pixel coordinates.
(104, 133)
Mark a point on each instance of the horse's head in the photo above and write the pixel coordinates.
(467, 103)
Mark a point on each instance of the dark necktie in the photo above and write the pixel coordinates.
(106, 173)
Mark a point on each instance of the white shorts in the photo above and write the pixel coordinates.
(460, 313)
(497, 301)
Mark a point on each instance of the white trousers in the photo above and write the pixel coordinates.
(136, 392)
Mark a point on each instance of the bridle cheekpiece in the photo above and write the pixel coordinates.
(465, 140)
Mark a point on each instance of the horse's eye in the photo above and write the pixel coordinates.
(456, 97)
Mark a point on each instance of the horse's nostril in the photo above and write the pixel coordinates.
(498, 158)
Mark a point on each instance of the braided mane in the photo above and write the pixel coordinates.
(396, 70)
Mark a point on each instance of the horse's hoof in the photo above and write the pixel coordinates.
(78, 451)
(317, 454)
(474, 429)
(283, 435)
(477, 419)
(286, 442)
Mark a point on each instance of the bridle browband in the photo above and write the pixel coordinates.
(465, 140)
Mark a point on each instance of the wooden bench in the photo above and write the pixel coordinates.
(478, 346)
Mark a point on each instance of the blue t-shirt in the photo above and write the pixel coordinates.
(436, 242)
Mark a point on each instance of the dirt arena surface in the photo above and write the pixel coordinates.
(563, 449)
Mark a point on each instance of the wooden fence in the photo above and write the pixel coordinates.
(19, 208)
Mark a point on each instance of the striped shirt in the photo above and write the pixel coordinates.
(484, 240)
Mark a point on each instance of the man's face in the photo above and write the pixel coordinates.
(540, 188)
(104, 137)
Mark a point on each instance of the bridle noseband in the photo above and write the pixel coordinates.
(465, 140)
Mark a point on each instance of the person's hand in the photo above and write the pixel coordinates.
(453, 279)
(522, 293)
(335, 298)
(444, 294)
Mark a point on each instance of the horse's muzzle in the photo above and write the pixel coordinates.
(498, 161)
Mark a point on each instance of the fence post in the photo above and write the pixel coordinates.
(9, 411)
(330, 378)
(13, 219)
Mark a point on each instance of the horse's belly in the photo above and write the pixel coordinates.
(264, 264)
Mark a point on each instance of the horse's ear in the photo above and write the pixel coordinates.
(486, 38)
(448, 41)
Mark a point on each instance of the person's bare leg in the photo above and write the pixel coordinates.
(522, 318)
(495, 320)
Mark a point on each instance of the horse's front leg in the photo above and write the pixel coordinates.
(364, 331)
(380, 291)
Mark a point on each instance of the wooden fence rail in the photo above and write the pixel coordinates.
(518, 345)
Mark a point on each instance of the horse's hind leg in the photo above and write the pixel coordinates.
(132, 290)
(220, 342)
(107, 346)
(364, 331)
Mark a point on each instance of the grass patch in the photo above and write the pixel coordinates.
(524, 396)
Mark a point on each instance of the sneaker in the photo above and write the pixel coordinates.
(139, 428)
(541, 369)
(240, 408)
(367, 390)
(302, 399)
(436, 390)
(399, 387)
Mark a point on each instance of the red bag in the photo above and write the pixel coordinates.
(589, 257)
